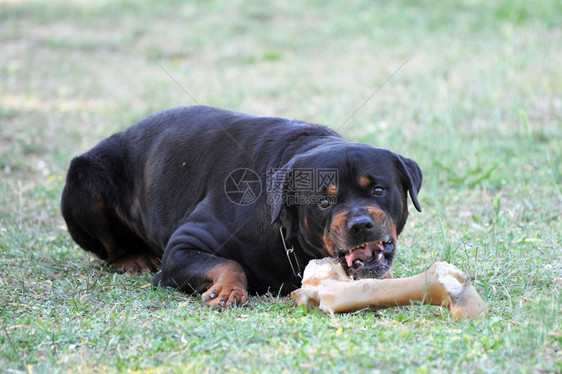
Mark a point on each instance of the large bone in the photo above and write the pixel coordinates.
(326, 286)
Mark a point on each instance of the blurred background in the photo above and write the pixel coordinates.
(470, 89)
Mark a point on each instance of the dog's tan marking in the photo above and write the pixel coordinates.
(381, 219)
(364, 181)
(336, 229)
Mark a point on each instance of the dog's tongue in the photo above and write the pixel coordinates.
(364, 253)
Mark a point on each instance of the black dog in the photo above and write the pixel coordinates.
(231, 202)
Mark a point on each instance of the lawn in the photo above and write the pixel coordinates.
(470, 89)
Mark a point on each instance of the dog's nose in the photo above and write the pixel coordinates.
(360, 225)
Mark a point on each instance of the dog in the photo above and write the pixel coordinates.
(225, 204)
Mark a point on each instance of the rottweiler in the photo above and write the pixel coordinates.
(225, 204)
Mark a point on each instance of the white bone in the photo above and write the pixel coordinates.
(326, 286)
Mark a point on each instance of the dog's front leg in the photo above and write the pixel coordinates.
(189, 265)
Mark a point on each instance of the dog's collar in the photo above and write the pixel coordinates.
(288, 252)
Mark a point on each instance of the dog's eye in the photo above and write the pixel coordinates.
(325, 203)
(378, 191)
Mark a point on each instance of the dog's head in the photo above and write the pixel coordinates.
(347, 201)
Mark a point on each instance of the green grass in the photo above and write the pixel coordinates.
(478, 105)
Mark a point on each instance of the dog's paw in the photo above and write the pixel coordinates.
(225, 295)
(136, 264)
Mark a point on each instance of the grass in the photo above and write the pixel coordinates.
(477, 105)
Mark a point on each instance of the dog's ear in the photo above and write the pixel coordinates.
(411, 176)
(279, 194)
(278, 188)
